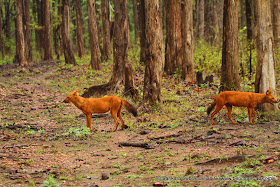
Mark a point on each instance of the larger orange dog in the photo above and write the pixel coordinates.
(100, 105)
(240, 99)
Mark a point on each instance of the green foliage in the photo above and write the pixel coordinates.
(78, 132)
(50, 182)
(244, 55)
(207, 58)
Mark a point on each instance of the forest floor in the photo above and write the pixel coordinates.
(45, 142)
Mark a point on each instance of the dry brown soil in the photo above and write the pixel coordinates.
(42, 142)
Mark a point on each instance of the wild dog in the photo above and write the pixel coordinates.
(101, 105)
(240, 99)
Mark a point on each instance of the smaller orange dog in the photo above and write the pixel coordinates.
(101, 105)
(240, 99)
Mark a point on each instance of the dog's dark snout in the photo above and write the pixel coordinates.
(65, 101)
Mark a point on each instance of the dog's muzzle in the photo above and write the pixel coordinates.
(65, 101)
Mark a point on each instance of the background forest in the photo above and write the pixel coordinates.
(170, 59)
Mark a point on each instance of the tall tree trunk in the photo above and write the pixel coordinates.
(39, 32)
(216, 31)
(187, 41)
(1, 35)
(80, 39)
(163, 8)
(200, 19)
(106, 30)
(120, 42)
(56, 28)
(35, 17)
(60, 12)
(20, 56)
(276, 22)
(229, 77)
(173, 57)
(242, 13)
(135, 18)
(249, 32)
(208, 19)
(7, 29)
(67, 49)
(95, 61)
(265, 74)
(28, 31)
(249, 20)
(47, 31)
(154, 59)
(129, 43)
(142, 26)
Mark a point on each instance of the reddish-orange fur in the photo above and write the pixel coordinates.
(101, 105)
(240, 99)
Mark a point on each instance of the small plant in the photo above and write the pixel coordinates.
(50, 182)
(79, 132)
(228, 136)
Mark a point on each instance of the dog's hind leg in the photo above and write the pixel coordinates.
(229, 108)
(217, 109)
(120, 116)
(115, 116)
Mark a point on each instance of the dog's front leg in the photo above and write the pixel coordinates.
(88, 121)
(250, 111)
(229, 108)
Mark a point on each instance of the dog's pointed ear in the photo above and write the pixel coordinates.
(75, 92)
(268, 92)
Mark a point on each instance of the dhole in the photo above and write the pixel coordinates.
(240, 99)
(100, 105)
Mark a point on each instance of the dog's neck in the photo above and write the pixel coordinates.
(78, 101)
(261, 98)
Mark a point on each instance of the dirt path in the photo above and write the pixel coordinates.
(44, 141)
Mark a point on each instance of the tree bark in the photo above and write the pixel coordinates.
(249, 33)
(129, 89)
(173, 59)
(249, 20)
(276, 23)
(120, 43)
(216, 33)
(40, 33)
(47, 31)
(28, 31)
(229, 77)
(208, 18)
(7, 29)
(135, 18)
(67, 49)
(242, 13)
(265, 74)
(60, 12)
(80, 39)
(95, 61)
(154, 59)
(20, 56)
(56, 28)
(106, 30)
(200, 20)
(142, 26)
(187, 41)
(1, 36)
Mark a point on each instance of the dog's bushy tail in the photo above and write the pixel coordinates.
(211, 107)
(130, 108)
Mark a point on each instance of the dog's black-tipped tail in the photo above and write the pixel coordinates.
(211, 107)
(130, 108)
